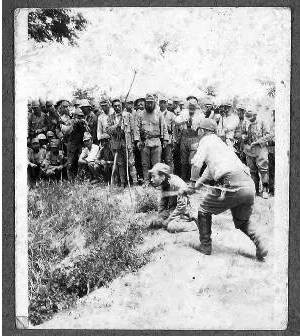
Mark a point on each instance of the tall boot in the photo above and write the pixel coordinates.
(261, 250)
(204, 227)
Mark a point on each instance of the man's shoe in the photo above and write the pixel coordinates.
(202, 248)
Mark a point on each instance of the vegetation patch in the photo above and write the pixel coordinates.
(79, 239)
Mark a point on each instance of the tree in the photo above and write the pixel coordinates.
(51, 24)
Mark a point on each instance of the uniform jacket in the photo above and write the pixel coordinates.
(102, 124)
(172, 206)
(37, 158)
(259, 132)
(170, 123)
(92, 121)
(188, 124)
(37, 123)
(151, 128)
(119, 127)
(51, 160)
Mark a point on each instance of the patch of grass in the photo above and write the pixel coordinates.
(146, 199)
(79, 240)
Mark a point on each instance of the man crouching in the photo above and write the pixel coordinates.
(173, 213)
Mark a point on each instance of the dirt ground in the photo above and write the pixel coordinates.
(183, 289)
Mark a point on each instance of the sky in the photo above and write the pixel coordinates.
(229, 48)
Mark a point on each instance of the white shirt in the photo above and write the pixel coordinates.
(219, 158)
(89, 155)
(185, 116)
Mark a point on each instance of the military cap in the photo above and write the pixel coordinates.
(193, 102)
(114, 100)
(49, 102)
(176, 99)
(35, 104)
(84, 102)
(42, 102)
(139, 100)
(191, 97)
(41, 136)
(207, 100)
(35, 140)
(161, 168)
(49, 134)
(87, 136)
(104, 136)
(149, 97)
(104, 101)
(129, 99)
(65, 103)
(78, 112)
(208, 124)
(181, 102)
(163, 98)
(54, 143)
(226, 102)
(241, 106)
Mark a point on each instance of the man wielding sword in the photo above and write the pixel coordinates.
(237, 191)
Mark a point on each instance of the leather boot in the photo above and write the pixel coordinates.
(261, 250)
(204, 227)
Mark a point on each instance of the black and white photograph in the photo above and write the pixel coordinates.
(152, 167)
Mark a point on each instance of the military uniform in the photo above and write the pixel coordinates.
(73, 135)
(226, 170)
(256, 151)
(35, 160)
(189, 140)
(105, 158)
(167, 152)
(92, 122)
(54, 162)
(122, 130)
(37, 124)
(101, 125)
(151, 131)
(271, 157)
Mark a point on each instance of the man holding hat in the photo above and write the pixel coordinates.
(152, 135)
(173, 213)
(73, 133)
(237, 193)
(188, 121)
(122, 131)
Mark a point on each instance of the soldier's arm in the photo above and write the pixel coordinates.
(99, 128)
(83, 155)
(163, 129)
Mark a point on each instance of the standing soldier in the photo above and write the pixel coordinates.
(256, 151)
(167, 152)
(105, 158)
(226, 170)
(73, 133)
(208, 107)
(152, 135)
(90, 118)
(240, 133)
(103, 117)
(176, 140)
(36, 121)
(53, 119)
(139, 107)
(121, 128)
(188, 121)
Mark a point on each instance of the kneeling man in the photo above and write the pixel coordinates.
(173, 208)
(237, 190)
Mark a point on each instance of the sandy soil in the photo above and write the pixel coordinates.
(183, 289)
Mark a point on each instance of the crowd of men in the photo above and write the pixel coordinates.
(125, 139)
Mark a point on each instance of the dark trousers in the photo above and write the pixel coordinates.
(271, 157)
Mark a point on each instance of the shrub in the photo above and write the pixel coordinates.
(79, 239)
(146, 199)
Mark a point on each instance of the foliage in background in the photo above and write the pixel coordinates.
(79, 240)
(54, 24)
